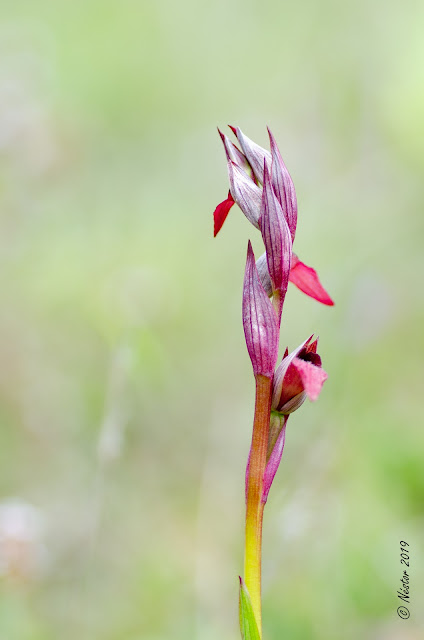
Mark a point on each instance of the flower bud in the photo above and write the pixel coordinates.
(233, 153)
(254, 153)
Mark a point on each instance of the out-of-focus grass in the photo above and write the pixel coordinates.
(125, 387)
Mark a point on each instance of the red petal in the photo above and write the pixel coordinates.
(306, 279)
(220, 213)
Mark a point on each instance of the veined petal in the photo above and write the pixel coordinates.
(221, 212)
(245, 192)
(283, 186)
(312, 377)
(233, 153)
(276, 237)
(306, 279)
(259, 321)
(254, 153)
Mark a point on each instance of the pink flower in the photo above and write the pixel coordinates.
(298, 376)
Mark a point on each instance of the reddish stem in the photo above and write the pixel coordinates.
(254, 506)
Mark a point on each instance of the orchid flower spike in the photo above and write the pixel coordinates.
(261, 186)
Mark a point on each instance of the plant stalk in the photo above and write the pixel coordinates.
(254, 505)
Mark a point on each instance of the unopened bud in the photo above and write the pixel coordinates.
(255, 154)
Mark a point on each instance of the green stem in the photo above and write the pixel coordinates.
(254, 506)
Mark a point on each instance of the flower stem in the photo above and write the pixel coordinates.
(254, 505)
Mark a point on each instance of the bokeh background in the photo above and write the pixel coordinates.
(125, 387)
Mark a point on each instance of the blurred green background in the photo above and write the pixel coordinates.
(126, 391)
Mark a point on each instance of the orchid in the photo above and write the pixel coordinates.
(299, 375)
(261, 186)
(246, 170)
